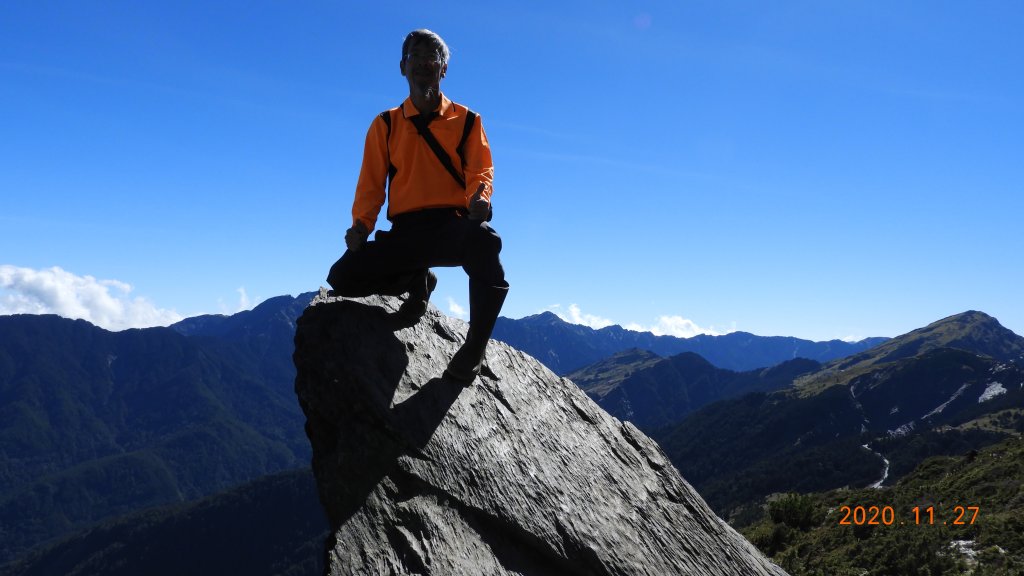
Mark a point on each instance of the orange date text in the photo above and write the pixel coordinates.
(919, 515)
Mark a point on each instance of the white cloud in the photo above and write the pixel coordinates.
(456, 310)
(666, 325)
(244, 303)
(243, 300)
(576, 316)
(105, 303)
(676, 326)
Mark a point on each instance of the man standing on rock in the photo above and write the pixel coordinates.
(433, 157)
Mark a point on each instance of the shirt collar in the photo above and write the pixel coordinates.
(443, 110)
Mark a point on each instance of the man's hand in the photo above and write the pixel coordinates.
(479, 208)
(356, 235)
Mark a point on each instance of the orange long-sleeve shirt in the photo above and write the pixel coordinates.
(420, 180)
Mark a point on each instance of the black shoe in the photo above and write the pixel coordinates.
(464, 366)
(415, 305)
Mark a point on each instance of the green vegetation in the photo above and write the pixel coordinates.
(740, 451)
(274, 526)
(656, 394)
(915, 534)
(602, 377)
(97, 424)
(905, 453)
(1005, 421)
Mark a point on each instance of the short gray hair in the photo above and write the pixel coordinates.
(431, 37)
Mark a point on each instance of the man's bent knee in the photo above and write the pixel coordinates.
(484, 239)
(345, 279)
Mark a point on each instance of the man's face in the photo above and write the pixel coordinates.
(423, 69)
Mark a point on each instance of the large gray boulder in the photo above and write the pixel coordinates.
(520, 473)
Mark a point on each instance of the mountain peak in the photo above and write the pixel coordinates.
(545, 318)
(601, 377)
(971, 319)
(632, 355)
(518, 473)
(972, 331)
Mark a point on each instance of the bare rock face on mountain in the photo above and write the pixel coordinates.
(519, 473)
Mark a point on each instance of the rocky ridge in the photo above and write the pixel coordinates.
(520, 473)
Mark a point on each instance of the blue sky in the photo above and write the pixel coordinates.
(816, 169)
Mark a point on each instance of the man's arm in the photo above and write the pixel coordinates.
(479, 172)
(371, 187)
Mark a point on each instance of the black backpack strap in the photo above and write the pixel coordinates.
(422, 124)
(386, 117)
(466, 129)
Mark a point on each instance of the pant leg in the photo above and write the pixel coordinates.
(387, 265)
(417, 241)
(480, 258)
(378, 267)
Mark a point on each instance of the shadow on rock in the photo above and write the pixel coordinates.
(356, 427)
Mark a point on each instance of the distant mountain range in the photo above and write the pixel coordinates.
(951, 387)
(565, 347)
(96, 425)
(653, 392)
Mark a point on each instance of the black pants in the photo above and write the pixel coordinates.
(417, 241)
